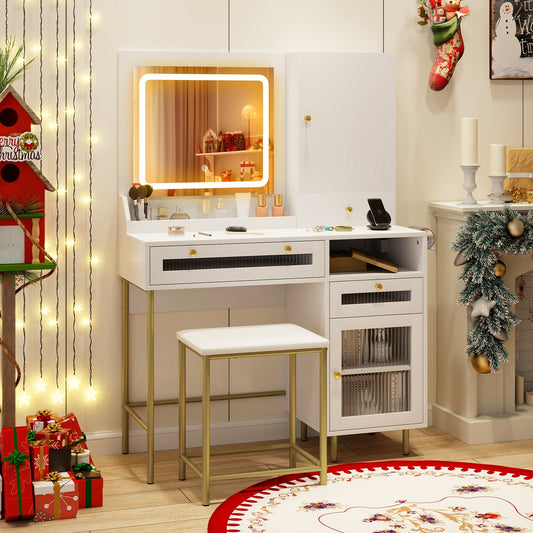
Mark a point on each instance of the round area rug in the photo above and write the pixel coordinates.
(385, 497)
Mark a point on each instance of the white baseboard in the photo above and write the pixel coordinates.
(110, 442)
(486, 429)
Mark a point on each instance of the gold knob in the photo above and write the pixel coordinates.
(378, 286)
(307, 118)
(192, 252)
(337, 375)
(349, 209)
(288, 248)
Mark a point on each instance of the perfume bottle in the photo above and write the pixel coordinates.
(277, 208)
(261, 210)
(220, 209)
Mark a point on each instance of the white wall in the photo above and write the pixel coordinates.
(427, 149)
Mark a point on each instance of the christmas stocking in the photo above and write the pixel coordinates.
(450, 47)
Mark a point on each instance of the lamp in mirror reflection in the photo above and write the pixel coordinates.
(248, 113)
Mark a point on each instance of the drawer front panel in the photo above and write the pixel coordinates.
(236, 262)
(376, 297)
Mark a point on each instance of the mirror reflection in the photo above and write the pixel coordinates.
(205, 128)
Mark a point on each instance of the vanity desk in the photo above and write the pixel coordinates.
(375, 318)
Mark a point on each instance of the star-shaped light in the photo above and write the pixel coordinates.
(41, 385)
(24, 399)
(90, 395)
(58, 397)
(74, 383)
(482, 307)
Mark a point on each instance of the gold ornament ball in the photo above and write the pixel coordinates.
(499, 269)
(480, 363)
(515, 227)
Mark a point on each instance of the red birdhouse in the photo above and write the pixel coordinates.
(22, 184)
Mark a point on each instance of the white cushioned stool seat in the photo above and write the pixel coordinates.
(243, 339)
(250, 341)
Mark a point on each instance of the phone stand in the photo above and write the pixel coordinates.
(377, 225)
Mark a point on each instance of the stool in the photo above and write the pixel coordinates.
(250, 341)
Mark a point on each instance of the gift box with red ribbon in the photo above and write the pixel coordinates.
(76, 435)
(40, 420)
(16, 473)
(40, 459)
(56, 497)
(90, 485)
(55, 435)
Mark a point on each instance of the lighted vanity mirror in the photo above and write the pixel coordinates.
(205, 128)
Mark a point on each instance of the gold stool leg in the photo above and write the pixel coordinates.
(405, 442)
(125, 365)
(182, 412)
(205, 429)
(323, 416)
(150, 384)
(334, 448)
(292, 409)
(303, 431)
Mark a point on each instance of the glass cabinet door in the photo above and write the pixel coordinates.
(376, 374)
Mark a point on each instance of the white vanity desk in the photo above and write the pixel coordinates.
(316, 299)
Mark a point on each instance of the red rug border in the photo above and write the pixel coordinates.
(219, 519)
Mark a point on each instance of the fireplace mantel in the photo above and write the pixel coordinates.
(473, 407)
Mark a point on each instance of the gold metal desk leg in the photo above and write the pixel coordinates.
(150, 384)
(182, 412)
(405, 442)
(334, 448)
(125, 365)
(292, 409)
(303, 431)
(206, 389)
(323, 416)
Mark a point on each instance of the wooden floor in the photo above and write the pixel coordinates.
(132, 506)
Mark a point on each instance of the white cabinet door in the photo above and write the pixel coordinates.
(11, 245)
(341, 134)
(376, 373)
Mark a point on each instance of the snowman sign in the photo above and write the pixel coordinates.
(511, 42)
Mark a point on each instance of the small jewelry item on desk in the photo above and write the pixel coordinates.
(176, 230)
(241, 229)
(204, 233)
(338, 228)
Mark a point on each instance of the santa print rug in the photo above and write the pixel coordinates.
(385, 497)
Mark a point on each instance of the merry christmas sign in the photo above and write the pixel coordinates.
(23, 147)
(511, 39)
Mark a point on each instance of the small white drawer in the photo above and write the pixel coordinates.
(376, 297)
(236, 262)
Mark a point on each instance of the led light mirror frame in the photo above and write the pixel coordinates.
(202, 184)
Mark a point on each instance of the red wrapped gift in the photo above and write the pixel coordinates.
(55, 435)
(40, 460)
(56, 497)
(90, 487)
(40, 420)
(16, 473)
(76, 435)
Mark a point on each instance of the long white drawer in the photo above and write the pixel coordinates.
(236, 262)
(376, 297)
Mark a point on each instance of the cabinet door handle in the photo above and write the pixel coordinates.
(307, 118)
(192, 252)
(349, 209)
(288, 248)
(378, 286)
(337, 375)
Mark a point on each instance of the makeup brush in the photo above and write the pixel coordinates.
(241, 229)
(134, 195)
(149, 191)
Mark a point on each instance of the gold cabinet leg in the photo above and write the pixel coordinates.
(206, 387)
(150, 384)
(303, 431)
(125, 365)
(405, 442)
(323, 416)
(292, 409)
(182, 412)
(334, 448)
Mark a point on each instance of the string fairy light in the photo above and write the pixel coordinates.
(57, 195)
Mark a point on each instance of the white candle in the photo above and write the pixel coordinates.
(497, 159)
(469, 141)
